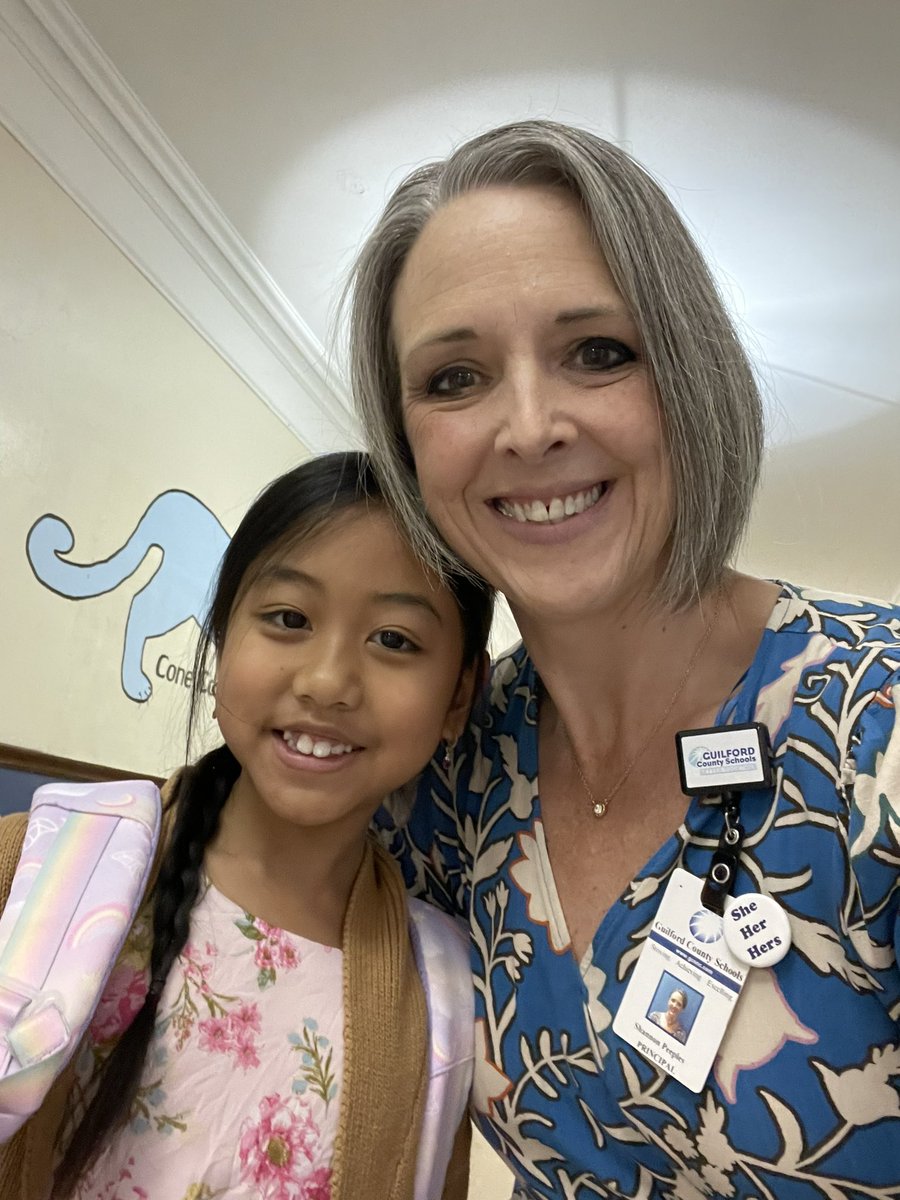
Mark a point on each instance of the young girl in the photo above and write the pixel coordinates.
(271, 1027)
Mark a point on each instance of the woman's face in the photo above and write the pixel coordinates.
(675, 1006)
(528, 406)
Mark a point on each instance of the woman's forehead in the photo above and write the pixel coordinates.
(523, 244)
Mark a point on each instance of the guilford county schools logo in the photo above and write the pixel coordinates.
(705, 926)
(715, 762)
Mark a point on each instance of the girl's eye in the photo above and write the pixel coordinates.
(288, 618)
(452, 381)
(392, 639)
(601, 354)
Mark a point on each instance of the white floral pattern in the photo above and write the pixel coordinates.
(804, 1098)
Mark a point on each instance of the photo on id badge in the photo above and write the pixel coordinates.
(674, 1007)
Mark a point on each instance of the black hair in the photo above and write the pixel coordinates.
(295, 507)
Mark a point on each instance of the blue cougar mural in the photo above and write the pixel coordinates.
(192, 542)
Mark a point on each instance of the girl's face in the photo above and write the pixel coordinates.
(340, 673)
(528, 406)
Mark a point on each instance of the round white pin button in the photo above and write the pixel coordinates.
(756, 929)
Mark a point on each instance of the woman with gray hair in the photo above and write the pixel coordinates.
(556, 396)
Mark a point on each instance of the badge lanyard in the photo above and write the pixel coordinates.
(704, 940)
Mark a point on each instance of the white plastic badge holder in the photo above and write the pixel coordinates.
(723, 758)
(684, 986)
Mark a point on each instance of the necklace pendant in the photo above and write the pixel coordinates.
(600, 807)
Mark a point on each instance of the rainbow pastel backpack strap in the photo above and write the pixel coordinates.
(85, 861)
(441, 948)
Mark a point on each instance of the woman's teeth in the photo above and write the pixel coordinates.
(317, 747)
(560, 507)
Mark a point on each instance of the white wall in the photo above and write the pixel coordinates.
(108, 399)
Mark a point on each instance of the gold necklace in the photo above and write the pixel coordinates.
(599, 807)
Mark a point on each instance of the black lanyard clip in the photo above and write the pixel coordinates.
(723, 868)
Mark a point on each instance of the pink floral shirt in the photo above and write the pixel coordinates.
(239, 1093)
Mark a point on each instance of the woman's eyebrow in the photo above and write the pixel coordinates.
(573, 315)
(445, 337)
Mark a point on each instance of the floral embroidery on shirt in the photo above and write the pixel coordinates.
(273, 948)
(228, 1059)
(315, 1073)
(278, 1152)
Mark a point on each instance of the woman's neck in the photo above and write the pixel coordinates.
(296, 878)
(610, 676)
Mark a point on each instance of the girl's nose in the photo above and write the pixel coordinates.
(328, 677)
(531, 422)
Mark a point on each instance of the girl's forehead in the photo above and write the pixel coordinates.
(357, 550)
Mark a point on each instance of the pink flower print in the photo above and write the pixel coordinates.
(245, 1054)
(275, 1150)
(122, 999)
(265, 956)
(245, 1016)
(194, 970)
(318, 1185)
(286, 955)
(215, 1035)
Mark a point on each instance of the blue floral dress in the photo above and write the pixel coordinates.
(803, 1100)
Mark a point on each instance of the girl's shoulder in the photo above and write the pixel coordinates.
(12, 835)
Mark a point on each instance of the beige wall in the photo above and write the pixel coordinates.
(109, 398)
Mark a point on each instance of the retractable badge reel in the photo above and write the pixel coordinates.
(726, 761)
(702, 942)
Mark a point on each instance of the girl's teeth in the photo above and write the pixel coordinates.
(317, 747)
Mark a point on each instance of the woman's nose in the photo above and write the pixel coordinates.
(531, 421)
(328, 676)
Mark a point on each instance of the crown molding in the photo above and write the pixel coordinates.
(64, 100)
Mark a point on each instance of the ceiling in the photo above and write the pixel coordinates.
(775, 125)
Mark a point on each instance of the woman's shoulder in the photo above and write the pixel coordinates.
(848, 622)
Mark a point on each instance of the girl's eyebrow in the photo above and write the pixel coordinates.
(279, 573)
(411, 599)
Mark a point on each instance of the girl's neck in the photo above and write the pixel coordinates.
(297, 878)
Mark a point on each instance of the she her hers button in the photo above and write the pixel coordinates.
(757, 930)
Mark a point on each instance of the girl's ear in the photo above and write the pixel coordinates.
(471, 680)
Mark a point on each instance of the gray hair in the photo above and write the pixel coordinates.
(710, 405)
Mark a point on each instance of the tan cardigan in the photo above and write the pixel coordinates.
(385, 1051)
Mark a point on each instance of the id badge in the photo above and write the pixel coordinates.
(683, 988)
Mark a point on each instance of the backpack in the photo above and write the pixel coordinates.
(82, 872)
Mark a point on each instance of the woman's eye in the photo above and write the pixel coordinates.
(288, 618)
(451, 381)
(601, 354)
(392, 639)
